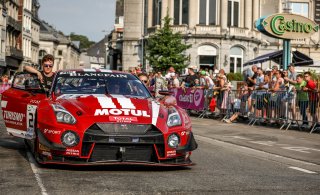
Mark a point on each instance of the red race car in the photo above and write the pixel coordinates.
(92, 117)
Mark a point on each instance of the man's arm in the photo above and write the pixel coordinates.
(34, 71)
(290, 81)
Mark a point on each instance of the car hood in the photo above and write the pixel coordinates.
(106, 108)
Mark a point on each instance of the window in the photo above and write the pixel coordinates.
(233, 13)
(236, 59)
(156, 18)
(207, 57)
(181, 12)
(300, 8)
(207, 12)
(60, 52)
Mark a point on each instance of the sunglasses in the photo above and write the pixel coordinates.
(145, 81)
(48, 65)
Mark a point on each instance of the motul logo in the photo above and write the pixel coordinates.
(127, 107)
(118, 112)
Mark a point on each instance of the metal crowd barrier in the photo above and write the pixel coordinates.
(299, 109)
(287, 109)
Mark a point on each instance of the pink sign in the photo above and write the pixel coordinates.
(4, 87)
(189, 98)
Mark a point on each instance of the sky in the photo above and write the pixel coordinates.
(92, 18)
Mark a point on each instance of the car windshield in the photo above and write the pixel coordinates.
(99, 83)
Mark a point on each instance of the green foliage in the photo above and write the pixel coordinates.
(165, 49)
(84, 41)
(235, 76)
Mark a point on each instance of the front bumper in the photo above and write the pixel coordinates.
(100, 148)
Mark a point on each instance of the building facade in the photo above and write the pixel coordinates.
(14, 55)
(25, 18)
(35, 34)
(3, 25)
(95, 56)
(66, 52)
(222, 32)
(114, 45)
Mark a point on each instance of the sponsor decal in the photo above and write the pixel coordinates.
(125, 102)
(52, 132)
(186, 98)
(155, 112)
(4, 104)
(106, 102)
(93, 74)
(184, 133)
(171, 153)
(118, 112)
(123, 119)
(16, 132)
(192, 98)
(13, 116)
(110, 108)
(73, 152)
(197, 97)
(34, 101)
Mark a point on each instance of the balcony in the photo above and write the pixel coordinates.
(153, 29)
(202, 30)
(179, 28)
(14, 52)
(239, 32)
(11, 22)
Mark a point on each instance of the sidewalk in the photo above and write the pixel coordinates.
(291, 143)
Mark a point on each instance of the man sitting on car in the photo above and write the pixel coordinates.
(46, 75)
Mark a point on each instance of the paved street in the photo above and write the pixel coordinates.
(231, 159)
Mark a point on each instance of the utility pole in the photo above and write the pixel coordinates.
(286, 55)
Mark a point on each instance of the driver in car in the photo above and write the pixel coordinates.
(46, 75)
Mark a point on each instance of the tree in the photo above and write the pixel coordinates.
(165, 48)
(84, 41)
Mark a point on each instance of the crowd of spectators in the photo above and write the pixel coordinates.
(269, 94)
(272, 94)
(215, 85)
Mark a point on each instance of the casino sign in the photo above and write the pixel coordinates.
(287, 26)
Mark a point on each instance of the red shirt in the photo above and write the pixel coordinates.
(311, 85)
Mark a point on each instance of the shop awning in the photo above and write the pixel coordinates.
(298, 58)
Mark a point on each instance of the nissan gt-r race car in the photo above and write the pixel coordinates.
(92, 117)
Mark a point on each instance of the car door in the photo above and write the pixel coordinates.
(19, 105)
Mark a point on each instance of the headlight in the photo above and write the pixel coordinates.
(173, 118)
(62, 115)
(173, 140)
(70, 138)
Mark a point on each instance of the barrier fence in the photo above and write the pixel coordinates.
(287, 109)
